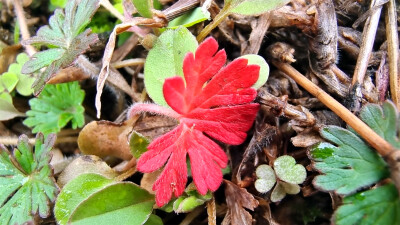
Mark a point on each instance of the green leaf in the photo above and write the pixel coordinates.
(376, 206)
(253, 7)
(13, 78)
(165, 60)
(349, 166)
(189, 19)
(93, 199)
(26, 183)
(58, 3)
(64, 34)
(383, 120)
(55, 107)
(75, 192)
(266, 178)
(138, 144)
(264, 68)
(144, 7)
(287, 170)
(7, 110)
(154, 220)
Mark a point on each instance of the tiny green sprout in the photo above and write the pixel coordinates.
(287, 174)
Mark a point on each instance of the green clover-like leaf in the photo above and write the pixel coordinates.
(26, 183)
(287, 170)
(266, 178)
(64, 34)
(55, 107)
(13, 78)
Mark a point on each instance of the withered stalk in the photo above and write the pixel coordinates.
(393, 51)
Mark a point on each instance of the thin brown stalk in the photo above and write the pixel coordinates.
(393, 51)
(368, 39)
(128, 62)
(23, 26)
(383, 147)
(212, 212)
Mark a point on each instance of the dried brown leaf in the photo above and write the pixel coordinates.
(237, 200)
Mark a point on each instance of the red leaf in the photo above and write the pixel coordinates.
(211, 100)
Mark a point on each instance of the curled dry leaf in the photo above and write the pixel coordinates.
(103, 138)
(85, 164)
(237, 200)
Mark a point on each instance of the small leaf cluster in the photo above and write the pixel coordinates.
(27, 186)
(188, 201)
(55, 107)
(286, 173)
(349, 165)
(11, 81)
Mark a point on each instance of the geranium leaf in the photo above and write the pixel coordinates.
(384, 120)
(55, 107)
(349, 166)
(166, 56)
(26, 183)
(253, 7)
(376, 206)
(65, 34)
(210, 99)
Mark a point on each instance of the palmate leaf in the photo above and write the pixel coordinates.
(64, 34)
(55, 107)
(26, 183)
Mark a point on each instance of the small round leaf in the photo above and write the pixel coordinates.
(287, 170)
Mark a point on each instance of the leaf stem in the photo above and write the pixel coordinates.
(383, 147)
(151, 108)
(216, 21)
(393, 51)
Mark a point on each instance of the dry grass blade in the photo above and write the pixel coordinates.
(393, 51)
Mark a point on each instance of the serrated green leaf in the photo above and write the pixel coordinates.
(287, 170)
(264, 68)
(26, 183)
(376, 206)
(253, 7)
(349, 166)
(144, 7)
(189, 19)
(383, 120)
(7, 109)
(64, 33)
(165, 60)
(55, 107)
(138, 144)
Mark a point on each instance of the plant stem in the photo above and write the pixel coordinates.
(216, 21)
(19, 11)
(383, 147)
(212, 212)
(107, 5)
(393, 51)
(128, 62)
